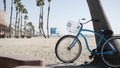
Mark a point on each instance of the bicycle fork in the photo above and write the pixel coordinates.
(72, 44)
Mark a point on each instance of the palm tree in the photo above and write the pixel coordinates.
(48, 18)
(16, 2)
(21, 7)
(40, 3)
(11, 17)
(4, 2)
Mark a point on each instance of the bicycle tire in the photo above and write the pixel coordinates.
(61, 48)
(112, 60)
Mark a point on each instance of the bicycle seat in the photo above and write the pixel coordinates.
(107, 32)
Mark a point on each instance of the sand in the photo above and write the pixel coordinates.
(42, 48)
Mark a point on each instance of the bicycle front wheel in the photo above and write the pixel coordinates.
(63, 53)
(112, 60)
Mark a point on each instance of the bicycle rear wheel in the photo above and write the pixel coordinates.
(112, 60)
(63, 53)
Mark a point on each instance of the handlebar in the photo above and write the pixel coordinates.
(89, 21)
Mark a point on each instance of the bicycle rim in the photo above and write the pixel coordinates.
(65, 55)
(114, 59)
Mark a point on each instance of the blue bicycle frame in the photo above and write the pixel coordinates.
(100, 41)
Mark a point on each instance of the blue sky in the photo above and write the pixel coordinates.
(64, 10)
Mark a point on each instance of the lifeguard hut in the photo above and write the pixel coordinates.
(53, 31)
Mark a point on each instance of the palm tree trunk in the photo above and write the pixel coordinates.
(48, 21)
(41, 31)
(21, 25)
(4, 1)
(11, 17)
(97, 12)
(16, 24)
(42, 24)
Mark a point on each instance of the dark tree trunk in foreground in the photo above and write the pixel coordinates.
(97, 12)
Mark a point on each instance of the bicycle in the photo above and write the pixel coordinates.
(71, 43)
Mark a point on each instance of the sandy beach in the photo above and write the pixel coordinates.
(43, 48)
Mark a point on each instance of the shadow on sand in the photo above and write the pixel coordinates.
(90, 65)
(94, 64)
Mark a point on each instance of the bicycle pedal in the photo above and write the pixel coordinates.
(91, 56)
(94, 51)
